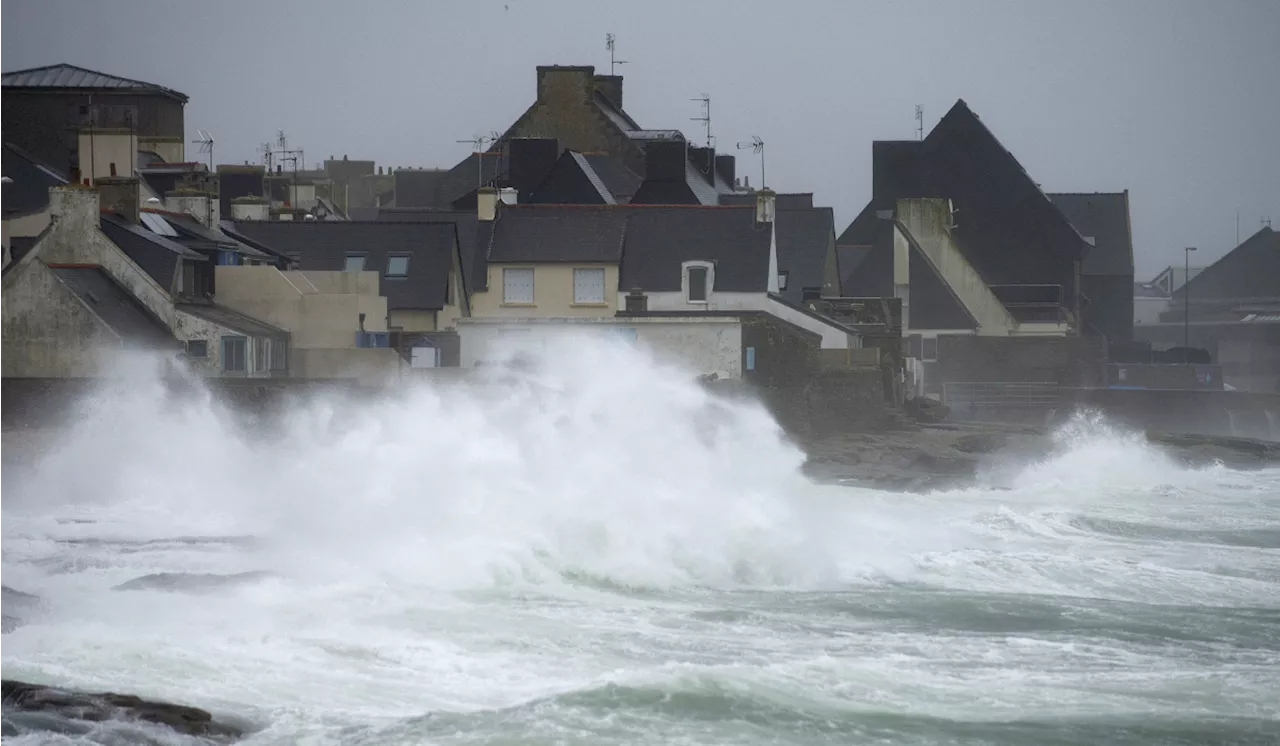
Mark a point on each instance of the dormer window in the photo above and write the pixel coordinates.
(699, 280)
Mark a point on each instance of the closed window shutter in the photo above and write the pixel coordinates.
(588, 286)
(517, 285)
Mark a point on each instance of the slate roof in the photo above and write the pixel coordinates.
(660, 239)
(194, 235)
(223, 316)
(803, 236)
(575, 180)
(593, 178)
(621, 181)
(116, 306)
(1250, 270)
(471, 233)
(29, 191)
(71, 77)
(323, 245)
(1105, 217)
(20, 246)
(558, 233)
(847, 260)
(156, 255)
(1000, 209)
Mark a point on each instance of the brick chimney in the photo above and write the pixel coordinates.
(565, 84)
(118, 194)
(609, 86)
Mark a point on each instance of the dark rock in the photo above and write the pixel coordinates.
(189, 582)
(67, 711)
(924, 409)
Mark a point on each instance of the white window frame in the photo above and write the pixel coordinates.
(507, 301)
(602, 298)
(685, 286)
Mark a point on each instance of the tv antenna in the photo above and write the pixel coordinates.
(1265, 222)
(919, 122)
(757, 147)
(706, 115)
(611, 44)
(479, 143)
(205, 141)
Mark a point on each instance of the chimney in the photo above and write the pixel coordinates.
(637, 301)
(118, 194)
(530, 160)
(486, 204)
(664, 160)
(727, 167)
(565, 84)
(766, 204)
(250, 208)
(609, 86)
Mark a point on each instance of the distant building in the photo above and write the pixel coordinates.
(1107, 281)
(47, 108)
(1234, 308)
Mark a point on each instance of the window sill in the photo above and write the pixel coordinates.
(519, 305)
(588, 305)
(698, 302)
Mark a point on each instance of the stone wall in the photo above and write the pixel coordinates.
(1066, 361)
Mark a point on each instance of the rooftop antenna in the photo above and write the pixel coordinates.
(478, 142)
(757, 146)
(919, 122)
(706, 115)
(1265, 222)
(611, 44)
(267, 157)
(294, 157)
(205, 141)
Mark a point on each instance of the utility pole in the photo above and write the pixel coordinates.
(1186, 302)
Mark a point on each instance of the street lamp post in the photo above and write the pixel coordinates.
(1186, 305)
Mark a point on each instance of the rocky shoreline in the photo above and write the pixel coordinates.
(35, 708)
(954, 456)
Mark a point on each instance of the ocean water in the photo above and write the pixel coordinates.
(587, 548)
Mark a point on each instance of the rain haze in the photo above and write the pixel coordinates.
(1174, 101)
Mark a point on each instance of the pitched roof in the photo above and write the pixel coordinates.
(554, 233)
(324, 245)
(192, 234)
(621, 181)
(1250, 270)
(660, 239)
(223, 316)
(29, 190)
(72, 77)
(593, 178)
(469, 229)
(116, 306)
(156, 255)
(804, 236)
(1105, 218)
(1000, 209)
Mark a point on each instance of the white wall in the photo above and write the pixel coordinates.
(833, 337)
(703, 344)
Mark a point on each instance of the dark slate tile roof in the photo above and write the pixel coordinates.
(360, 214)
(593, 178)
(156, 255)
(847, 260)
(1000, 208)
(1250, 270)
(554, 233)
(620, 118)
(323, 245)
(223, 316)
(29, 192)
(20, 246)
(1105, 217)
(419, 187)
(469, 234)
(116, 306)
(803, 239)
(621, 181)
(660, 239)
(80, 78)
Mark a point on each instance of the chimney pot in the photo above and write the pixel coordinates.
(486, 204)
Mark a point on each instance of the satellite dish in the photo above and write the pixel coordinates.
(153, 201)
(309, 217)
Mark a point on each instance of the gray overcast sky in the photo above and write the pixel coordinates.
(1176, 100)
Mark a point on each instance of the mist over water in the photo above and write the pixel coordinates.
(585, 546)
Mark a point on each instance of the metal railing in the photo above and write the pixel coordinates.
(1001, 401)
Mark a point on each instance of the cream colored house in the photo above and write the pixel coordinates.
(418, 264)
(330, 316)
(551, 261)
